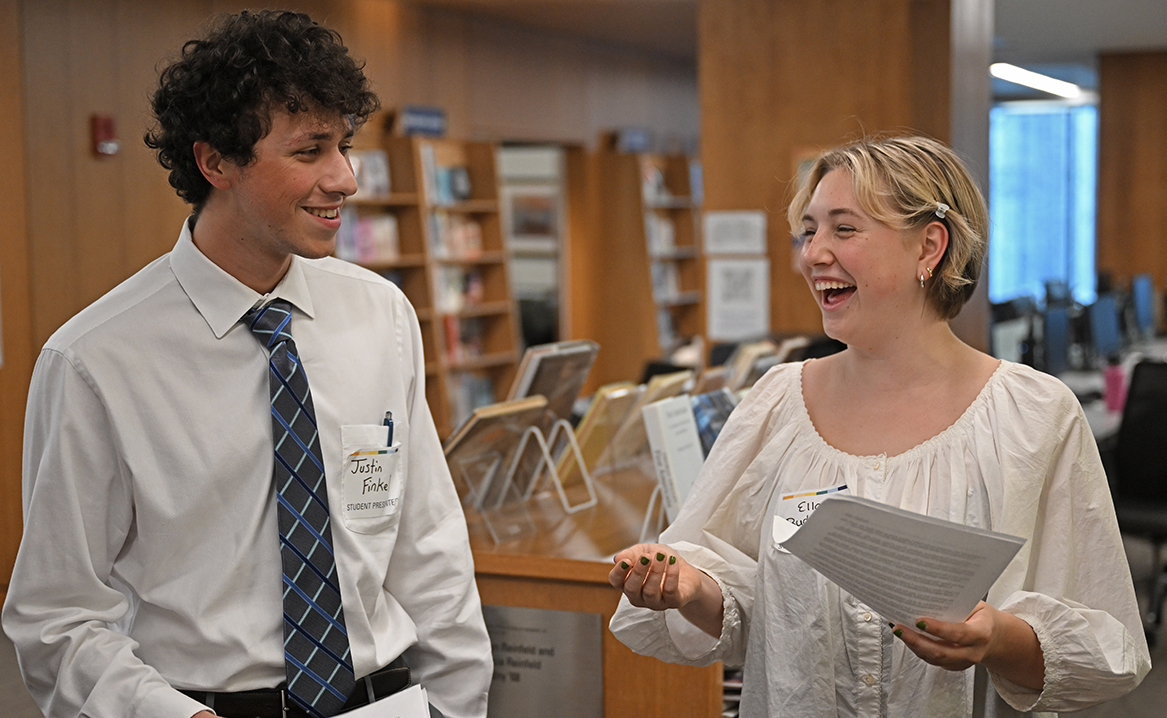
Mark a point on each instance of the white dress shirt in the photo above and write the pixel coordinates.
(1020, 460)
(150, 557)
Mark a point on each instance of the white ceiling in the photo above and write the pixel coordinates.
(1055, 35)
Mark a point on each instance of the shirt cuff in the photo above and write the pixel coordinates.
(693, 642)
(1019, 697)
(169, 702)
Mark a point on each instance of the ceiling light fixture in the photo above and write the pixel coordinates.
(1021, 76)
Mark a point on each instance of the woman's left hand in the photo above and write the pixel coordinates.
(1002, 642)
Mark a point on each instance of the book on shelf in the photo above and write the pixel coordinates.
(666, 281)
(480, 450)
(667, 336)
(458, 288)
(371, 169)
(445, 185)
(653, 187)
(395, 276)
(557, 371)
(661, 234)
(464, 337)
(367, 238)
(630, 441)
(681, 431)
(468, 391)
(606, 412)
(454, 236)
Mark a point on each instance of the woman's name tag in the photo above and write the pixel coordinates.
(795, 508)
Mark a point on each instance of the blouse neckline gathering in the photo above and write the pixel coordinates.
(803, 416)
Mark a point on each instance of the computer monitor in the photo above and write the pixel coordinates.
(1057, 292)
(1105, 337)
(1008, 337)
(1055, 340)
(1143, 298)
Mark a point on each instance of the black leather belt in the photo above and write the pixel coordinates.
(275, 702)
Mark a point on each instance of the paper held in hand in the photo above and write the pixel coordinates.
(903, 565)
(409, 703)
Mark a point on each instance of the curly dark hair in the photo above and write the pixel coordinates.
(223, 87)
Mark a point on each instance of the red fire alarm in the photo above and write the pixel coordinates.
(104, 134)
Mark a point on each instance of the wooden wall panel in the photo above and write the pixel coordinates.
(781, 79)
(15, 319)
(1132, 170)
(93, 222)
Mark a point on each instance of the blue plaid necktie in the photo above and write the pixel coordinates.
(316, 648)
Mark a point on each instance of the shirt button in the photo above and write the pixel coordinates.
(869, 679)
(867, 617)
(876, 467)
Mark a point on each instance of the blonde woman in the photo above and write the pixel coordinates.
(893, 233)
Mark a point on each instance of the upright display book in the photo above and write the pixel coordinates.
(605, 414)
(742, 361)
(676, 449)
(630, 440)
(681, 432)
(557, 371)
(710, 412)
(479, 452)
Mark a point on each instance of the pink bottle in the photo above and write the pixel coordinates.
(1115, 389)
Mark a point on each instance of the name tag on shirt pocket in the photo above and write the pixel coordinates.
(795, 507)
(370, 479)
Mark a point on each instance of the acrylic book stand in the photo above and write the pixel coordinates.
(507, 517)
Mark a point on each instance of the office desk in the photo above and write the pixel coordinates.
(1088, 384)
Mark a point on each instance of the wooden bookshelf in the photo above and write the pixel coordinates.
(645, 235)
(450, 260)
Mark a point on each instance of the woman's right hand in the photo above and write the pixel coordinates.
(654, 576)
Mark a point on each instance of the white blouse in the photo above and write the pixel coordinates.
(1020, 460)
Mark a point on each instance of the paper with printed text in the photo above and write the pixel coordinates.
(903, 565)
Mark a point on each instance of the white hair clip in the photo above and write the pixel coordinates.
(941, 209)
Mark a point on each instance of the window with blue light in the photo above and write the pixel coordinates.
(1043, 171)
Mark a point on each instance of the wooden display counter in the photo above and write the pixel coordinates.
(564, 567)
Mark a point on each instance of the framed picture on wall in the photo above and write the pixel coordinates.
(532, 214)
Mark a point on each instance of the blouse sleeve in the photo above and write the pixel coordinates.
(717, 531)
(1077, 594)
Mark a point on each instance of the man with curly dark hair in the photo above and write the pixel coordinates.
(217, 519)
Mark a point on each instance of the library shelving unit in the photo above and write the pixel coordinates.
(648, 226)
(451, 261)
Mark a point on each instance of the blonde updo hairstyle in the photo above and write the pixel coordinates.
(899, 181)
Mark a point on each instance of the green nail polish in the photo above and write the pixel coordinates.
(644, 560)
(921, 625)
(660, 557)
(672, 560)
(624, 565)
(898, 632)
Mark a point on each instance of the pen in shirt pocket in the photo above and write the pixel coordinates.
(389, 423)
